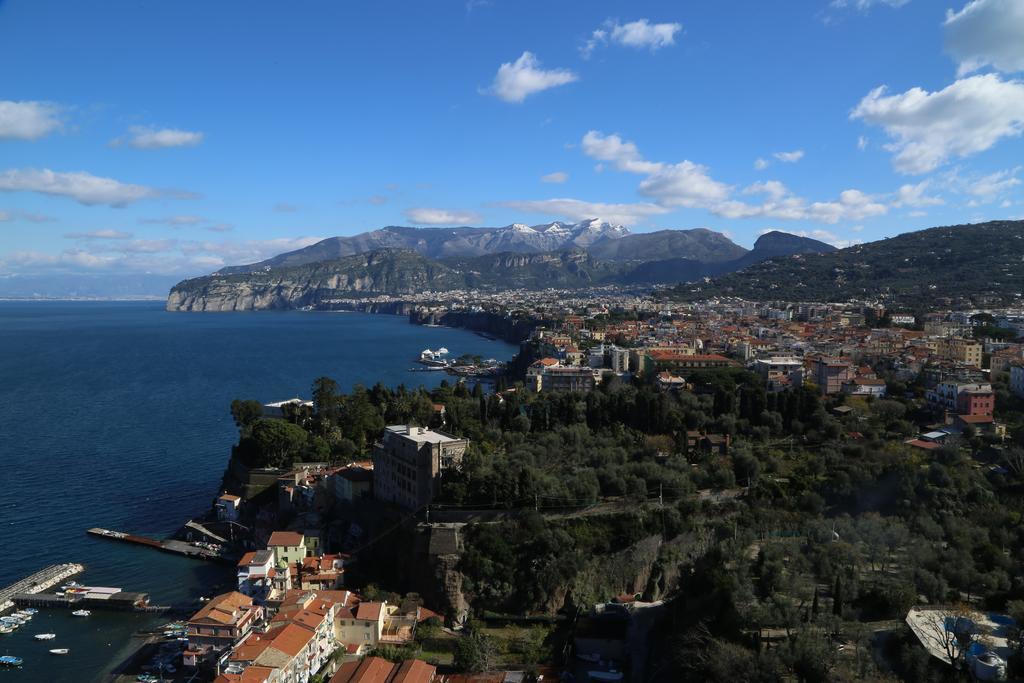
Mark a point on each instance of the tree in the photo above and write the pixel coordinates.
(837, 596)
(475, 653)
(277, 442)
(950, 631)
(245, 413)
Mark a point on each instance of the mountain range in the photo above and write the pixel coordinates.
(962, 265)
(401, 261)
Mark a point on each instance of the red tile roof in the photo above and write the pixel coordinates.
(285, 538)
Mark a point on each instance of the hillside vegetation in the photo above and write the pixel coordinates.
(979, 264)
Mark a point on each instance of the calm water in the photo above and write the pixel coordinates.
(116, 415)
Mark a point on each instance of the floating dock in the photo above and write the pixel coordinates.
(38, 582)
(170, 545)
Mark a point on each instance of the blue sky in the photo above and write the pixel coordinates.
(172, 138)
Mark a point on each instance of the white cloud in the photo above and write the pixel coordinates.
(927, 128)
(987, 33)
(914, 195)
(247, 251)
(28, 120)
(174, 221)
(772, 188)
(851, 205)
(789, 157)
(515, 81)
(643, 34)
(557, 177)
(684, 184)
(991, 186)
(162, 256)
(145, 137)
(690, 185)
(864, 5)
(639, 34)
(149, 246)
(99, 235)
(578, 210)
(761, 164)
(623, 154)
(83, 187)
(429, 216)
(6, 216)
(862, 143)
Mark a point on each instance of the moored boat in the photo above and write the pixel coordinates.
(10, 660)
(45, 636)
(81, 613)
(59, 651)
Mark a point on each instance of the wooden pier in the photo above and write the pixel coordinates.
(170, 545)
(38, 582)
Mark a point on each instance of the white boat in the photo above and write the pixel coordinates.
(81, 613)
(59, 651)
(45, 636)
(30, 610)
(6, 629)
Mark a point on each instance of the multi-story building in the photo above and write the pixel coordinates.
(980, 401)
(780, 372)
(256, 573)
(376, 669)
(568, 379)
(408, 463)
(830, 374)
(966, 351)
(670, 359)
(947, 395)
(221, 623)
(1017, 380)
(288, 547)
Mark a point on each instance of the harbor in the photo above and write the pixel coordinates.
(199, 550)
(38, 582)
(465, 366)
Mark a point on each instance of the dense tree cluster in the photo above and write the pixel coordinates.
(774, 552)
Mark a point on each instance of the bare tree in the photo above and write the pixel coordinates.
(950, 631)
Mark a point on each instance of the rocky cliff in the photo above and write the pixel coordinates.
(319, 285)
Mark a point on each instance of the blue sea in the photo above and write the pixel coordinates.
(116, 415)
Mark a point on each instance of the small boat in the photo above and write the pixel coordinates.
(6, 629)
(45, 636)
(30, 610)
(59, 651)
(81, 613)
(10, 660)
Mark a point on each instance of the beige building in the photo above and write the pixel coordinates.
(967, 351)
(288, 547)
(408, 463)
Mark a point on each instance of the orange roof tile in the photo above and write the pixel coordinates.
(285, 538)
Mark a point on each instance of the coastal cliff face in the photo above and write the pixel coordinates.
(319, 285)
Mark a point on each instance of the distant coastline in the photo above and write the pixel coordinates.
(83, 298)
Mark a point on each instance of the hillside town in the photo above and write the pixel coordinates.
(296, 614)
